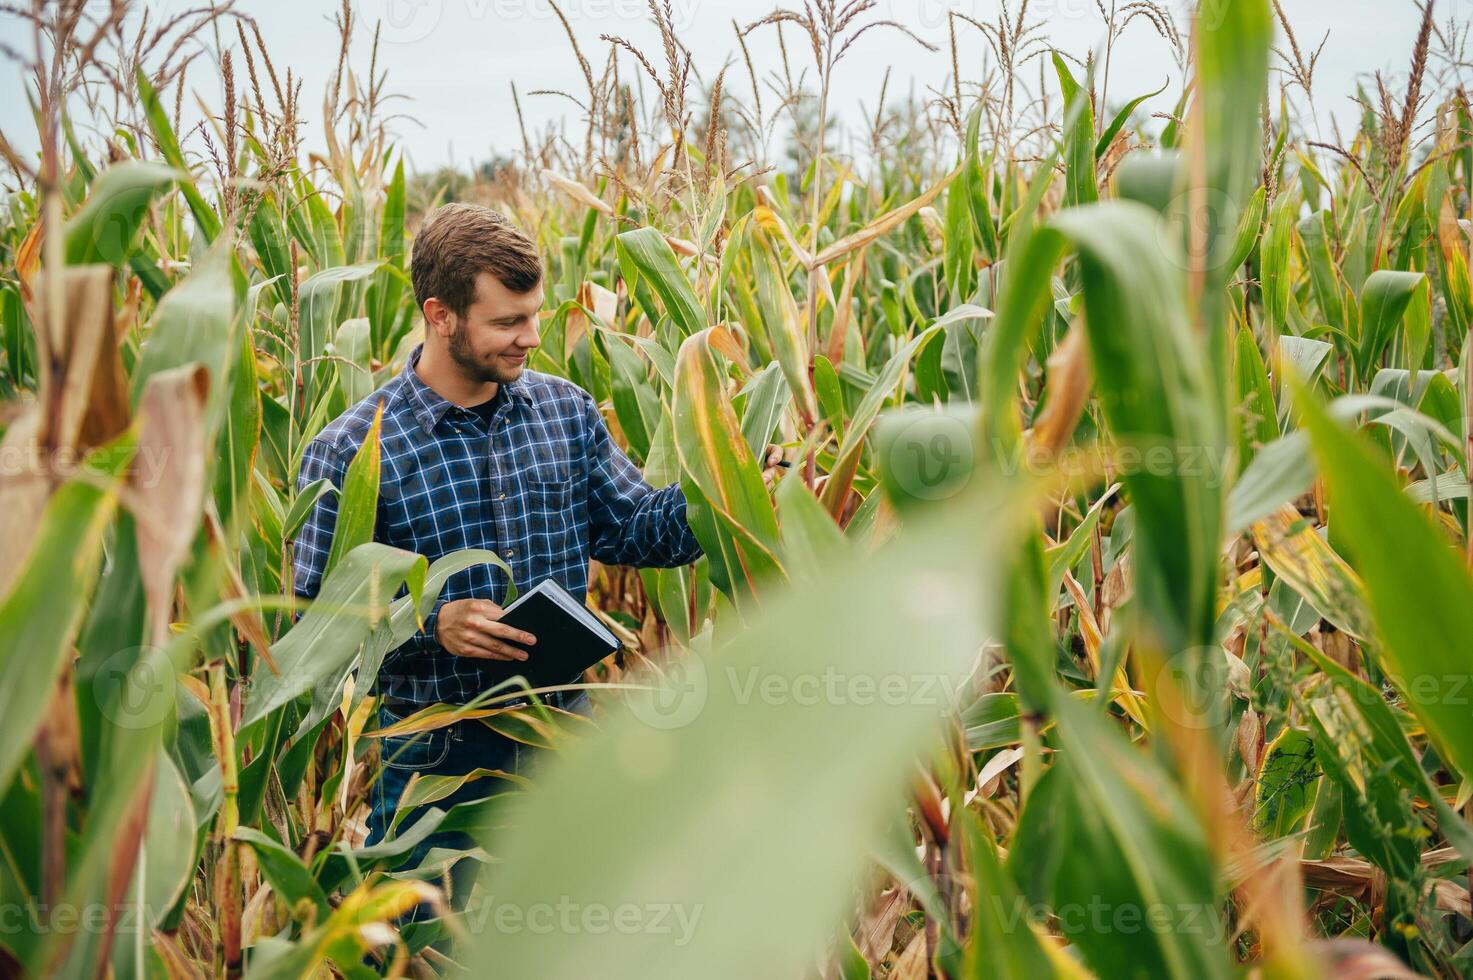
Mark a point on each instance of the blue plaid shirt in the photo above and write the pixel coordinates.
(543, 485)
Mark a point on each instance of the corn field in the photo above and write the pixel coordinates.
(1083, 479)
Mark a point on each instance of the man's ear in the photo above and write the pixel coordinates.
(438, 317)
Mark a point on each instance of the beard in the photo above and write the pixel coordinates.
(473, 367)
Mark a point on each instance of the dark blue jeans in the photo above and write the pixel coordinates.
(454, 750)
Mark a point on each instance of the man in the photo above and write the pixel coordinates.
(479, 452)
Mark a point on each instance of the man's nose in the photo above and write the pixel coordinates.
(529, 337)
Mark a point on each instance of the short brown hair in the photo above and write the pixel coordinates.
(459, 242)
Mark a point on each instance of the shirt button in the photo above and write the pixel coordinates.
(501, 496)
(510, 552)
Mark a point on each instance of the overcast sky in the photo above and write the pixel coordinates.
(454, 60)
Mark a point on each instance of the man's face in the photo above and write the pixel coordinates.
(499, 330)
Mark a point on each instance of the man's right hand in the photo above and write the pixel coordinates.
(472, 628)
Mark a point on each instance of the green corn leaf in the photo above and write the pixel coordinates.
(960, 234)
(729, 508)
(1249, 225)
(1420, 592)
(358, 500)
(240, 435)
(841, 477)
(386, 291)
(1384, 734)
(1324, 274)
(1378, 817)
(166, 862)
(322, 239)
(1107, 135)
(1307, 356)
(647, 257)
(1079, 137)
(636, 404)
(1232, 40)
(811, 540)
(351, 348)
(1004, 943)
(195, 322)
(1131, 844)
(117, 795)
(830, 395)
(1385, 300)
(1305, 562)
(1274, 268)
(284, 870)
(319, 301)
(1258, 423)
(269, 238)
(1288, 778)
(767, 397)
(44, 607)
(782, 321)
(167, 141)
(354, 598)
(106, 227)
(1162, 405)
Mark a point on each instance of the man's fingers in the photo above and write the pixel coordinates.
(489, 628)
(487, 649)
(505, 632)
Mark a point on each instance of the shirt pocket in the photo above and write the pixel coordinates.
(546, 474)
(547, 487)
(548, 496)
(546, 464)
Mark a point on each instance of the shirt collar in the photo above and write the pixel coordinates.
(430, 406)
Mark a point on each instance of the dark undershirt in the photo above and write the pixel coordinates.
(487, 408)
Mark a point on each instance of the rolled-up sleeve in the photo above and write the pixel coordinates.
(630, 522)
